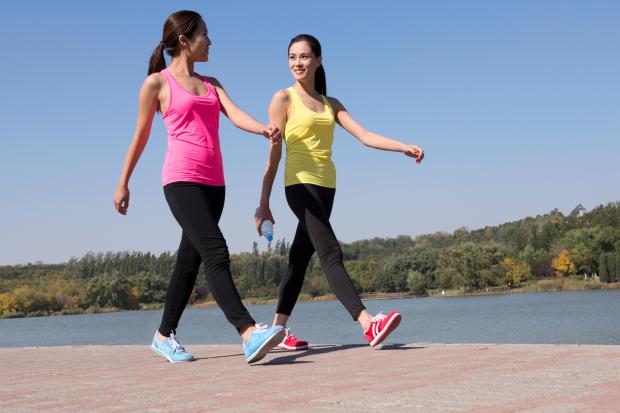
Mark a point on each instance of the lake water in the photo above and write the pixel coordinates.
(584, 317)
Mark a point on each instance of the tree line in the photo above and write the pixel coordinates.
(509, 255)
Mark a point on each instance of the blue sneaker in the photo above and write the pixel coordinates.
(262, 340)
(171, 349)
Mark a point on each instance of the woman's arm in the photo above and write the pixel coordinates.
(238, 117)
(148, 105)
(277, 117)
(372, 139)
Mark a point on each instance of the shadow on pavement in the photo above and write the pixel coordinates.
(288, 357)
(293, 357)
(400, 347)
(219, 357)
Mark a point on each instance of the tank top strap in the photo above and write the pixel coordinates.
(173, 86)
(168, 76)
(328, 105)
(208, 84)
(294, 96)
(294, 100)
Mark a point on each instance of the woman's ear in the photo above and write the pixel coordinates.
(183, 40)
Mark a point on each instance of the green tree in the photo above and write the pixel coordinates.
(150, 288)
(111, 290)
(460, 265)
(392, 276)
(316, 284)
(493, 276)
(582, 247)
(449, 277)
(530, 254)
(603, 272)
(611, 267)
(416, 282)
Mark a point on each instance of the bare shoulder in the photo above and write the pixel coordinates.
(335, 103)
(213, 81)
(282, 96)
(154, 82)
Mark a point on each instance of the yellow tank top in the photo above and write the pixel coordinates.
(309, 137)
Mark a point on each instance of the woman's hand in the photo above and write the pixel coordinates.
(121, 199)
(414, 151)
(262, 214)
(272, 133)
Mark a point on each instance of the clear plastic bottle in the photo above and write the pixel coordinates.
(266, 228)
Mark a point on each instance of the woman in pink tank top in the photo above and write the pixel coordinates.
(193, 179)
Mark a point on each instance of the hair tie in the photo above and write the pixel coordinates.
(161, 44)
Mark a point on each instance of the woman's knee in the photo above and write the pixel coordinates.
(330, 254)
(214, 253)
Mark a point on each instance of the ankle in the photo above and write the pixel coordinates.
(160, 336)
(246, 332)
(364, 319)
(280, 320)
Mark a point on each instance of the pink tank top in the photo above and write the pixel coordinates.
(193, 153)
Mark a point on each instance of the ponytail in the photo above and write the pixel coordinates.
(320, 83)
(180, 23)
(157, 63)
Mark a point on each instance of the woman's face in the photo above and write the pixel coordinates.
(302, 62)
(198, 45)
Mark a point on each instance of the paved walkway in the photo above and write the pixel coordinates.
(417, 377)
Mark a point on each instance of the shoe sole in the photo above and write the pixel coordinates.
(291, 348)
(161, 353)
(270, 343)
(391, 326)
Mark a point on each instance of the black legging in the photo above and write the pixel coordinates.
(312, 204)
(198, 208)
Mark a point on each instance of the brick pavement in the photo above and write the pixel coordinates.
(417, 377)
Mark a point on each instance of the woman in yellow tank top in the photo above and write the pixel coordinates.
(307, 118)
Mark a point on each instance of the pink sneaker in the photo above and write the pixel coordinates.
(381, 326)
(292, 343)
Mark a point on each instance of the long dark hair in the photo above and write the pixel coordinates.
(320, 83)
(184, 22)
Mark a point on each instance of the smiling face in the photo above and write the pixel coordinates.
(302, 61)
(198, 45)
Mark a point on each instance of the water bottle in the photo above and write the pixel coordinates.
(266, 228)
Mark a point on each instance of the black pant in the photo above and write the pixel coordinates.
(312, 204)
(198, 208)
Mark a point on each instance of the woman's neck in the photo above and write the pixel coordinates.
(307, 86)
(182, 64)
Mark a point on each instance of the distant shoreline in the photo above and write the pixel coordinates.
(542, 285)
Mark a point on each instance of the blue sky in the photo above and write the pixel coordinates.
(517, 106)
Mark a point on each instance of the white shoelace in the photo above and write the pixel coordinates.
(172, 342)
(261, 327)
(379, 316)
(289, 333)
